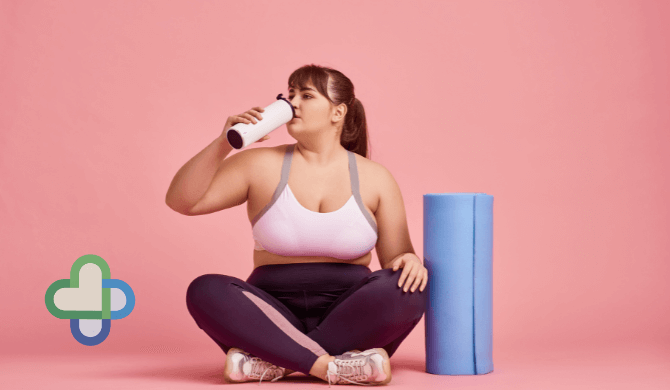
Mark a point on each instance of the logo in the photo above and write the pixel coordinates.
(90, 299)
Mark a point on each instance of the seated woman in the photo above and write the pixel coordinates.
(311, 304)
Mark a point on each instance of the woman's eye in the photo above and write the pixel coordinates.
(291, 97)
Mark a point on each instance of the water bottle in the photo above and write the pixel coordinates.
(276, 114)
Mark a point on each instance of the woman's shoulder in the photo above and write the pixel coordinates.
(265, 154)
(370, 169)
(265, 160)
(373, 179)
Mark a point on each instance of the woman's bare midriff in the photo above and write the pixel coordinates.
(324, 189)
(265, 257)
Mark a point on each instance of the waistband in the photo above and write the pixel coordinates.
(307, 276)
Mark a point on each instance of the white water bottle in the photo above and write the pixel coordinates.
(276, 114)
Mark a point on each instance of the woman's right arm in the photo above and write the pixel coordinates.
(193, 179)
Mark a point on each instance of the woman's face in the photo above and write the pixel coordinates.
(313, 110)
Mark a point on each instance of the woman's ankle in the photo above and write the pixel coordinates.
(320, 367)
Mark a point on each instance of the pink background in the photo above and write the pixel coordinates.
(557, 109)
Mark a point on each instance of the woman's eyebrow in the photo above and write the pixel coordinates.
(305, 89)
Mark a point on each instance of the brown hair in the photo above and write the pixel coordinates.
(354, 136)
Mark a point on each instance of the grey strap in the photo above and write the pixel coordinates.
(285, 169)
(353, 174)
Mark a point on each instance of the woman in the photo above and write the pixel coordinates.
(311, 303)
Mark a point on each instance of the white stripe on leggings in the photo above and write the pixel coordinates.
(285, 325)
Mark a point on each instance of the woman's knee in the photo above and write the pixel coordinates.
(386, 280)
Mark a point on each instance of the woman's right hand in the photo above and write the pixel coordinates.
(245, 117)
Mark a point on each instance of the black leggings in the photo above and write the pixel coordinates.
(290, 314)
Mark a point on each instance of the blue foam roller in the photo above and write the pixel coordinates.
(458, 253)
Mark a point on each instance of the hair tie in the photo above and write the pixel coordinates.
(352, 100)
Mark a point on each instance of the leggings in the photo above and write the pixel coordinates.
(290, 314)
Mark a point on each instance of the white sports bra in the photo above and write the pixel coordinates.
(287, 228)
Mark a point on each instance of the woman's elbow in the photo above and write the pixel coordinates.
(181, 209)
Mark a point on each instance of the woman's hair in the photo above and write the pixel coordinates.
(354, 136)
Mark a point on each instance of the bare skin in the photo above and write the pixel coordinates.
(320, 367)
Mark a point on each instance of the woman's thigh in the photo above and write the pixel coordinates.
(373, 313)
(211, 294)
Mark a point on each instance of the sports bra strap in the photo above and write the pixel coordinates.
(353, 172)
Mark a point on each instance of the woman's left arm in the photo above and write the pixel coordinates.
(394, 247)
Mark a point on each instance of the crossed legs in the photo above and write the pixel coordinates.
(373, 313)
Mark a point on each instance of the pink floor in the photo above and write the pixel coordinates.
(615, 367)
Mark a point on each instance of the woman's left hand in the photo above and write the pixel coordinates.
(413, 270)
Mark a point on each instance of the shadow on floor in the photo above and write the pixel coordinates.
(407, 364)
(212, 373)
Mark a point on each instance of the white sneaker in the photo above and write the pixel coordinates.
(242, 367)
(371, 367)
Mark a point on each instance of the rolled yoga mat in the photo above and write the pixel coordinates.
(457, 246)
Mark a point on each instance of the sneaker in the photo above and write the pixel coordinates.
(371, 367)
(243, 367)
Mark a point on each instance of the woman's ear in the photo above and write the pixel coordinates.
(340, 112)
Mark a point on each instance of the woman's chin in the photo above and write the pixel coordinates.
(291, 127)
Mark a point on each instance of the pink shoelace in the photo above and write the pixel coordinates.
(350, 371)
(260, 367)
